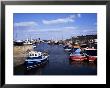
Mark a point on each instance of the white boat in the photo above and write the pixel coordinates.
(35, 59)
(67, 48)
(27, 43)
(37, 55)
(34, 46)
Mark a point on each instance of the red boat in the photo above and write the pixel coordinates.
(78, 58)
(88, 54)
(77, 55)
(91, 54)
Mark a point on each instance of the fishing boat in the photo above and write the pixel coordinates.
(27, 42)
(18, 43)
(77, 55)
(84, 46)
(36, 59)
(34, 45)
(67, 48)
(91, 54)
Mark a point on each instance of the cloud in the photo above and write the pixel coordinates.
(53, 30)
(72, 16)
(70, 27)
(90, 31)
(60, 20)
(57, 21)
(79, 15)
(25, 24)
(56, 33)
(63, 29)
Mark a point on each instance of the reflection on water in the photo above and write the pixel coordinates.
(58, 64)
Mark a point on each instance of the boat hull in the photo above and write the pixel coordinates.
(32, 62)
(83, 58)
(92, 58)
(78, 58)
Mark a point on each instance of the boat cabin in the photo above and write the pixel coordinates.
(35, 54)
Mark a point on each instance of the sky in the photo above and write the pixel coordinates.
(55, 26)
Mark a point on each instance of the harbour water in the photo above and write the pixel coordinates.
(58, 64)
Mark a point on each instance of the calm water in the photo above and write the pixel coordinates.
(58, 64)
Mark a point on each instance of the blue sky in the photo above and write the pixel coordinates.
(53, 25)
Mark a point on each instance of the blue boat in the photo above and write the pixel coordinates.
(35, 59)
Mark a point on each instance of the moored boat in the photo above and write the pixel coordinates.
(91, 53)
(77, 55)
(67, 48)
(35, 59)
(34, 46)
